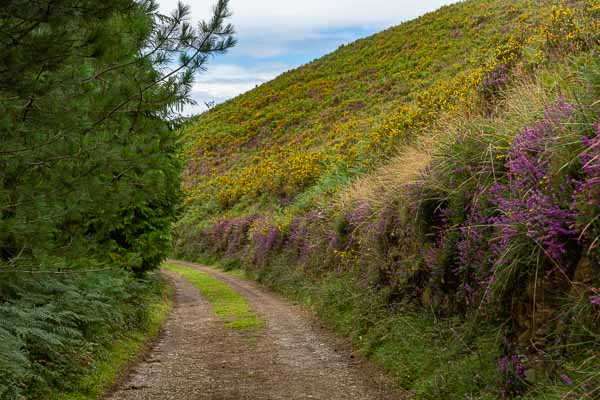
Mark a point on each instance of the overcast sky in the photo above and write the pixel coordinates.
(277, 35)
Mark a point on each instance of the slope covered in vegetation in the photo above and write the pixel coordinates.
(432, 191)
(336, 116)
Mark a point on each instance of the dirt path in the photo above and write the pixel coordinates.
(198, 358)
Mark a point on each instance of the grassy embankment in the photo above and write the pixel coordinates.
(295, 141)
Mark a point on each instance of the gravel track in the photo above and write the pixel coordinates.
(291, 358)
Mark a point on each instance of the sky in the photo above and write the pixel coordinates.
(278, 35)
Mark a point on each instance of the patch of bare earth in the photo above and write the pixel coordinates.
(291, 358)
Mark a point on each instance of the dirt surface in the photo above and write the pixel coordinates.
(291, 358)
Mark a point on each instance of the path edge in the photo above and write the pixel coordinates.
(146, 348)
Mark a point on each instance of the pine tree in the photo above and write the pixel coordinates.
(89, 164)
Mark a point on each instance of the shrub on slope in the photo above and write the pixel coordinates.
(339, 115)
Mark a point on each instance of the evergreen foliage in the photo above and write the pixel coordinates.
(89, 166)
(89, 173)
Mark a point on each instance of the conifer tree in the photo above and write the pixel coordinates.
(89, 164)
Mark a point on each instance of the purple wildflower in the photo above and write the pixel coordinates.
(495, 80)
(433, 254)
(299, 235)
(312, 216)
(527, 205)
(590, 386)
(332, 240)
(266, 238)
(272, 236)
(473, 246)
(468, 288)
(586, 197)
(503, 364)
(566, 379)
(359, 215)
(513, 373)
(237, 234)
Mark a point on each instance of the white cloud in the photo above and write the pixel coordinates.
(263, 17)
(266, 25)
(242, 74)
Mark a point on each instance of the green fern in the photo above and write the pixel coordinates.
(50, 327)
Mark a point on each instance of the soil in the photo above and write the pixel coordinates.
(292, 357)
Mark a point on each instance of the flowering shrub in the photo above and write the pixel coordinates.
(474, 251)
(595, 297)
(359, 215)
(529, 206)
(495, 80)
(238, 234)
(266, 237)
(299, 235)
(496, 74)
(564, 31)
(520, 222)
(586, 196)
(513, 376)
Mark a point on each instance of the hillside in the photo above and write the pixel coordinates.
(430, 191)
(336, 116)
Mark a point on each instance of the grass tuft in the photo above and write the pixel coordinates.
(228, 304)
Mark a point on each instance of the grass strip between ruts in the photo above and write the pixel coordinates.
(228, 304)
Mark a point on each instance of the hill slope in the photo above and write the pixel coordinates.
(339, 114)
(431, 192)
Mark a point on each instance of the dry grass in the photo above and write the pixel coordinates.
(391, 178)
(523, 102)
(406, 168)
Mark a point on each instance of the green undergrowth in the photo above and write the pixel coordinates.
(431, 357)
(106, 370)
(228, 304)
(68, 336)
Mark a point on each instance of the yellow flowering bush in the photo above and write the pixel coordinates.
(351, 109)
